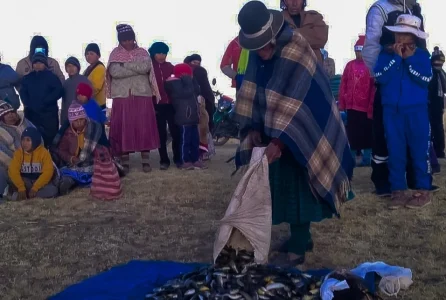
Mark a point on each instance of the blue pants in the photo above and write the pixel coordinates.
(408, 130)
(190, 143)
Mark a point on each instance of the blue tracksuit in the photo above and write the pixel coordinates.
(404, 89)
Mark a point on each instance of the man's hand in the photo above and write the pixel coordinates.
(398, 48)
(273, 153)
(22, 196)
(32, 193)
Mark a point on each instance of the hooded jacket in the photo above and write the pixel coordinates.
(35, 165)
(184, 92)
(384, 13)
(8, 80)
(404, 82)
(162, 72)
(25, 66)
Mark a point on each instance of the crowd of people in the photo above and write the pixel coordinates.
(392, 93)
(47, 151)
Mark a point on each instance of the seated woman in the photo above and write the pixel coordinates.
(12, 125)
(31, 171)
(74, 147)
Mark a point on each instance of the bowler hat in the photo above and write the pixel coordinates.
(259, 25)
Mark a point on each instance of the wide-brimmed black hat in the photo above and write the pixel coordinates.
(259, 25)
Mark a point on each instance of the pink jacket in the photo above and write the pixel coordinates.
(357, 90)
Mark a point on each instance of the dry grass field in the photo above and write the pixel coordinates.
(48, 245)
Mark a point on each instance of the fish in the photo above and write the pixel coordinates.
(236, 276)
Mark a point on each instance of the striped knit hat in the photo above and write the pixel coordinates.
(76, 112)
(5, 108)
(125, 33)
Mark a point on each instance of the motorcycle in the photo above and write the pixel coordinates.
(224, 127)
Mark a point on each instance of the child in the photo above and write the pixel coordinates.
(40, 91)
(184, 96)
(356, 96)
(31, 169)
(404, 72)
(73, 68)
(95, 73)
(92, 109)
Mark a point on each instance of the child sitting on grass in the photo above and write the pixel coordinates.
(404, 72)
(31, 169)
(183, 93)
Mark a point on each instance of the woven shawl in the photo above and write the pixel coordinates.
(300, 110)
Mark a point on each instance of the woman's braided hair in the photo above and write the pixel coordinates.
(283, 5)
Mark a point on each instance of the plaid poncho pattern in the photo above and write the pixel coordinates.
(297, 107)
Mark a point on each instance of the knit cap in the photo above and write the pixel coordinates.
(73, 61)
(158, 48)
(40, 57)
(181, 70)
(76, 112)
(125, 33)
(93, 47)
(84, 89)
(5, 108)
(34, 135)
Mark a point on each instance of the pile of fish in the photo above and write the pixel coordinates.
(235, 276)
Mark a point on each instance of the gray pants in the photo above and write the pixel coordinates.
(48, 191)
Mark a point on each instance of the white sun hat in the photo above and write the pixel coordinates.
(408, 24)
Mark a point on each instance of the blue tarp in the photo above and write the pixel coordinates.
(131, 281)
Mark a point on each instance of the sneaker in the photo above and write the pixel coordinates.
(164, 167)
(383, 193)
(398, 200)
(187, 166)
(146, 168)
(199, 165)
(435, 188)
(420, 199)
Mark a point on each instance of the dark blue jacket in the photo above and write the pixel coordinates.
(40, 91)
(404, 82)
(8, 80)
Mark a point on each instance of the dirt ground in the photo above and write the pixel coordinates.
(47, 245)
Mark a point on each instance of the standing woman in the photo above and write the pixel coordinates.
(285, 102)
(309, 23)
(131, 83)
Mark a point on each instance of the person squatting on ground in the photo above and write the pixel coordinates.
(183, 92)
(437, 89)
(31, 171)
(73, 68)
(309, 175)
(96, 74)
(404, 72)
(73, 149)
(165, 114)
(40, 90)
(356, 97)
(131, 83)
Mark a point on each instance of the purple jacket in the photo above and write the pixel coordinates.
(162, 72)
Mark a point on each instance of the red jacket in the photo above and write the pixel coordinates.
(162, 72)
(231, 57)
(357, 90)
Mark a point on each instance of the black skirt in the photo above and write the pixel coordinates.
(359, 130)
